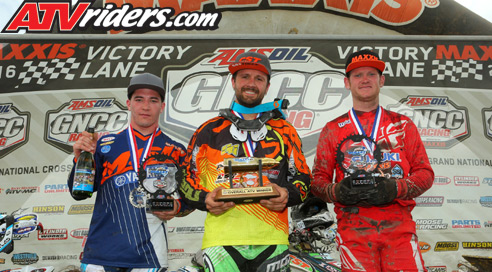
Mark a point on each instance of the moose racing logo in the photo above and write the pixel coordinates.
(441, 123)
(64, 125)
(198, 92)
(14, 128)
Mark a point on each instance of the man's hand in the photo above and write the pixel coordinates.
(168, 215)
(277, 203)
(386, 191)
(343, 194)
(86, 142)
(217, 207)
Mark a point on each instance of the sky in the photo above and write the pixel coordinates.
(480, 7)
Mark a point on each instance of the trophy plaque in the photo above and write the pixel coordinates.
(246, 180)
(359, 157)
(157, 181)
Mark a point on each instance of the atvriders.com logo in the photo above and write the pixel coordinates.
(43, 16)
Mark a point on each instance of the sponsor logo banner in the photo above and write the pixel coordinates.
(466, 181)
(25, 258)
(64, 125)
(49, 209)
(79, 233)
(53, 234)
(447, 246)
(466, 224)
(441, 122)
(81, 209)
(429, 201)
(14, 128)
(477, 245)
(430, 224)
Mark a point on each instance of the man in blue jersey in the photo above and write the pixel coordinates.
(123, 235)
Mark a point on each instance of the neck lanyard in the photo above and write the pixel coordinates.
(132, 141)
(375, 126)
(249, 144)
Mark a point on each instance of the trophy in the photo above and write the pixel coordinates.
(157, 180)
(246, 180)
(359, 157)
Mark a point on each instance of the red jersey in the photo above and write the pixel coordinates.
(403, 155)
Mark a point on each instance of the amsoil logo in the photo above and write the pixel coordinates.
(429, 201)
(441, 123)
(487, 122)
(53, 234)
(14, 128)
(64, 125)
(42, 16)
(447, 246)
(197, 94)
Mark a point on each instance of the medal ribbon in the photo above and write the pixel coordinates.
(249, 144)
(375, 127)
(136, 161)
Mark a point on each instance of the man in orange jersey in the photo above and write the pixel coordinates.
(246, 237)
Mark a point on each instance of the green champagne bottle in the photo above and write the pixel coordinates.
(83, 180)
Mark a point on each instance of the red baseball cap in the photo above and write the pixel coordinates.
(364, 58)
(251, 60)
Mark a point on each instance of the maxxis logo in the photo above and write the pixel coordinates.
(64, 125)
(14, 128)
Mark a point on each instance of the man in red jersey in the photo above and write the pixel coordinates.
(380, 166)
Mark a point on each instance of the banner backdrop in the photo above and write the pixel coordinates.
(52, 87)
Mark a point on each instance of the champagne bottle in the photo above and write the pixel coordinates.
(83, 180)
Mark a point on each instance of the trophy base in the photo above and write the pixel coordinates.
(246, 195)
(160, 205)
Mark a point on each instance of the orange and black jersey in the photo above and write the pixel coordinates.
(213, 142)
(245, 224)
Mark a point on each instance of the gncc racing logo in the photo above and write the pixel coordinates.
(441, 123)
(42, 16)
(64, 125)
(201, 90)
(14, 128)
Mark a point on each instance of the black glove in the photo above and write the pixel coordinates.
(344, 194)
(384, 192)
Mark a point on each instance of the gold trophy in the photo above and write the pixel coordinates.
(246, 180)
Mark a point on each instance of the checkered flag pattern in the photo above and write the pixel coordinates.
(456, 70)
(54, 69)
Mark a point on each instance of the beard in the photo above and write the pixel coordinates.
(249, 102)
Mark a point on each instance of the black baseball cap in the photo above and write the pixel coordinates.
(364, 58)
(251, 60)
(146, 80)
